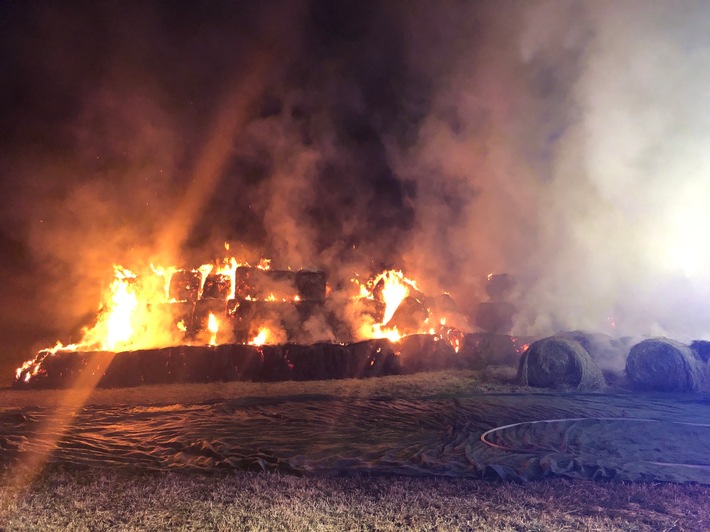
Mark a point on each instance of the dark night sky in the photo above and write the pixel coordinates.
(448, 138)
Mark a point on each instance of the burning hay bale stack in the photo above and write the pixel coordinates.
(559, 363)
(281, 300)
(660, 364)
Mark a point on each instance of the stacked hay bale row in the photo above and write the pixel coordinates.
(239, 362)
(568, 361)
(283, 297)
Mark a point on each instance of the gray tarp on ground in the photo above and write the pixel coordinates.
(439, 435)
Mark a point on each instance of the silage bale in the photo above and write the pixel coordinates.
(559, 363)
(663, 365)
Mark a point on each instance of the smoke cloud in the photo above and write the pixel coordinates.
(564, 143)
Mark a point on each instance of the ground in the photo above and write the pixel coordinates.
(68, 495)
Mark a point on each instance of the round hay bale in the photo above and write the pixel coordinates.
(559, 363)
(608, 352)
(701, 348)
(663, 365)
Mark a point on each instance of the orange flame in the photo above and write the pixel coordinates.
(213, 328)
(261, 338)
(393, 292)
(395, 288)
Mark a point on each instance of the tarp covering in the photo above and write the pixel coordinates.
(639, 437)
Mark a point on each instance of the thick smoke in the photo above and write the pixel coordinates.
(623, 209)
(558, 141)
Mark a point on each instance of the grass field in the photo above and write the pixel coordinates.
(64, 499)
(79, 498)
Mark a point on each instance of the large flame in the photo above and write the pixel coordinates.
(124, 302)
(138, 311)
(394, 291)
(261, 338)
(390, 288)
(114, 327)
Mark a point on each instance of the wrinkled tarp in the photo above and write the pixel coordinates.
(634, 437)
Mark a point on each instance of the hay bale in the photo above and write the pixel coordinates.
(425, 352)
(559, 363)
(608, 352)
(256, 283)
(372, 358)
(276, 365)
(409, 316)
(160, 366)
(320, 361)
(59, 370)
(217, 286)
(185, 285)
(495, 316)
(311, 285)
(660, 364)
(124, 371)
(500, 286)
(701, 348)
(479, 350)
